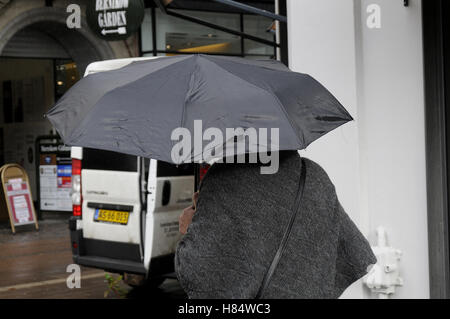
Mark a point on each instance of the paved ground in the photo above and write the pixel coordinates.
(33, 265)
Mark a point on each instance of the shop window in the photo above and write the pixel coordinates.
(27, 91)
(66, 74)
(260, 27)
(252, 48)
(259, 57)
(174, 35)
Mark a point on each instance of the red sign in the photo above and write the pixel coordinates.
(20, 202)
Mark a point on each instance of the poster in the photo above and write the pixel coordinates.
(55, 177)
(20, 202)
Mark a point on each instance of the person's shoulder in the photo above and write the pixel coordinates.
(318, 175)
(312, 165)
(226, 173)
(220, 170)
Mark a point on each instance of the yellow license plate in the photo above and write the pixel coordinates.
(111, 216)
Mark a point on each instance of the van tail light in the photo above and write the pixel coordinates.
(202, 171)
(76, 187)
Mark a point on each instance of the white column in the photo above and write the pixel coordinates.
(376, 162)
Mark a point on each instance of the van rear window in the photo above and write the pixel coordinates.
(112, 161)
(107, 160)
(167, 170)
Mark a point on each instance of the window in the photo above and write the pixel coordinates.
(107, 160)
(163, 34)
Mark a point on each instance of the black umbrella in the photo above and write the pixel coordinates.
(136, 109)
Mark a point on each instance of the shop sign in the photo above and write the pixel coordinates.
(115, 19)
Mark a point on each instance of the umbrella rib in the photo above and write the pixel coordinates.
(183, 111)
(294, 127)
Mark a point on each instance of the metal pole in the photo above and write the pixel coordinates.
(254, 10)
(277, 31)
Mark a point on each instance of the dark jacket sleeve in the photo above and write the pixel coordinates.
(354, 254)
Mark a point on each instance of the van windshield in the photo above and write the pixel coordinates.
(107, 160)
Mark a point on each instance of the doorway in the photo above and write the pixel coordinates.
(40, 58)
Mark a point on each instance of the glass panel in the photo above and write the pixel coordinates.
(258, 26)
(252, 47)
(66, 76)
(175, 34)
(259, 57)
(146, 31)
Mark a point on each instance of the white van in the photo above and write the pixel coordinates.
(126, 208)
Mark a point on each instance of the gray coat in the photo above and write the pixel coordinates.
(240, 220)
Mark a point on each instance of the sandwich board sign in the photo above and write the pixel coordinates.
(17, 198)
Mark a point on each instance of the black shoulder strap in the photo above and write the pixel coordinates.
(287, 232)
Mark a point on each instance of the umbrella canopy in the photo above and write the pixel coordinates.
(137, 108)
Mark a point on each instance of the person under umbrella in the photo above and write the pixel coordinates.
(253, 235)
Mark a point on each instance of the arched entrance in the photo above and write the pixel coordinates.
(35, 47)
(80, 43)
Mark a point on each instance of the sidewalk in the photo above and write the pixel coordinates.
(33, 263)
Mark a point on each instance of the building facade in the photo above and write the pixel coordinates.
(42, 55)
(40, 58)
(384, 60)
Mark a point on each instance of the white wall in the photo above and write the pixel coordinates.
(377, 162)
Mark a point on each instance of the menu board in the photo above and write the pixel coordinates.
(16, 198)
(55, 177)
(19, 198)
